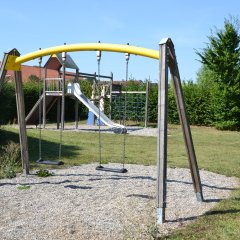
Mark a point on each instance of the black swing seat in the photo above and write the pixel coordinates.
(120, 130)
(48, 162)
(107, 169)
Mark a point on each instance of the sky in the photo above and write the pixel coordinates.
(29, 25)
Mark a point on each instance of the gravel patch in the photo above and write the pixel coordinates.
(82, 203)
(131, 130)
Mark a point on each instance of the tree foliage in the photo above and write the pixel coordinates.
(221, 61)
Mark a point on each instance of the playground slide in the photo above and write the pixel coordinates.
(74, 88)
(33, 116)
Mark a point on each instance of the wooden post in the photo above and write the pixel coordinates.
(162, 133)
(21, 122)
(76, 113)
(146, 104)
(8, 63)
(184, 123)
(110, 99)
(76, 103)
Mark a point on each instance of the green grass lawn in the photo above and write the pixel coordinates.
(216, 151)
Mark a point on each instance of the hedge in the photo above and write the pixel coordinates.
(8, 109)
(199, 109)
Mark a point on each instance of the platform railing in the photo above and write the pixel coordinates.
(53, 86)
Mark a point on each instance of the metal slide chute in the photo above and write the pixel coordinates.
(74, 89)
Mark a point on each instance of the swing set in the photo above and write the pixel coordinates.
(167, 61)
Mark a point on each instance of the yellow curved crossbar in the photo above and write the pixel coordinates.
(89, 47)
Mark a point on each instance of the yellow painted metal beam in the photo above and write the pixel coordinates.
(89, 47)
(11, 63)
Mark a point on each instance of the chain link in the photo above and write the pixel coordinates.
(125, 112)
(40, 109)
(99, 111)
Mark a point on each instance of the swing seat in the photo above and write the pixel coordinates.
(48, 162)
(107, 169)
(120, 130)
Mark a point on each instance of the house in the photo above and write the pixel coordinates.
(28, 71)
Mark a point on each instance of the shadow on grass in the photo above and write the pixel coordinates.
(212, 200)
(221, 212)
(203, 185)
(50, 150)
(214, 212)
(182, 219)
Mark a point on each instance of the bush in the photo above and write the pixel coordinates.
(9, 160)
(204, 104)
(8, 109)
(31, 94)
(228, 125)
(153, 103)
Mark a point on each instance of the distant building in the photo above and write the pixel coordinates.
(54, 66)
(28, 71)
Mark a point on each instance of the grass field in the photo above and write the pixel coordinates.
(216, 151)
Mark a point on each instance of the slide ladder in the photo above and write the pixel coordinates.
(33, 116)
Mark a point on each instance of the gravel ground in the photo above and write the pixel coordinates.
(105, 129)
(82, 203)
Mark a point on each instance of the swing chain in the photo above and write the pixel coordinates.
(40, 108)
(99, 55)
(64, 56)
(127, 57)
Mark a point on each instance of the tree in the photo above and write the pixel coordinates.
(221, 58)
(33, 78)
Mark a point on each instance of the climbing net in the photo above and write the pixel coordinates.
(135, 106)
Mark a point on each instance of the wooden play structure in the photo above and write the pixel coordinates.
(167, 61)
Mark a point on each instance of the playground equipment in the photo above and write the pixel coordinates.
(53, 92)
(105, 87)
(75, 90)
(136, 105)
(136, 101)
(12, 61)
